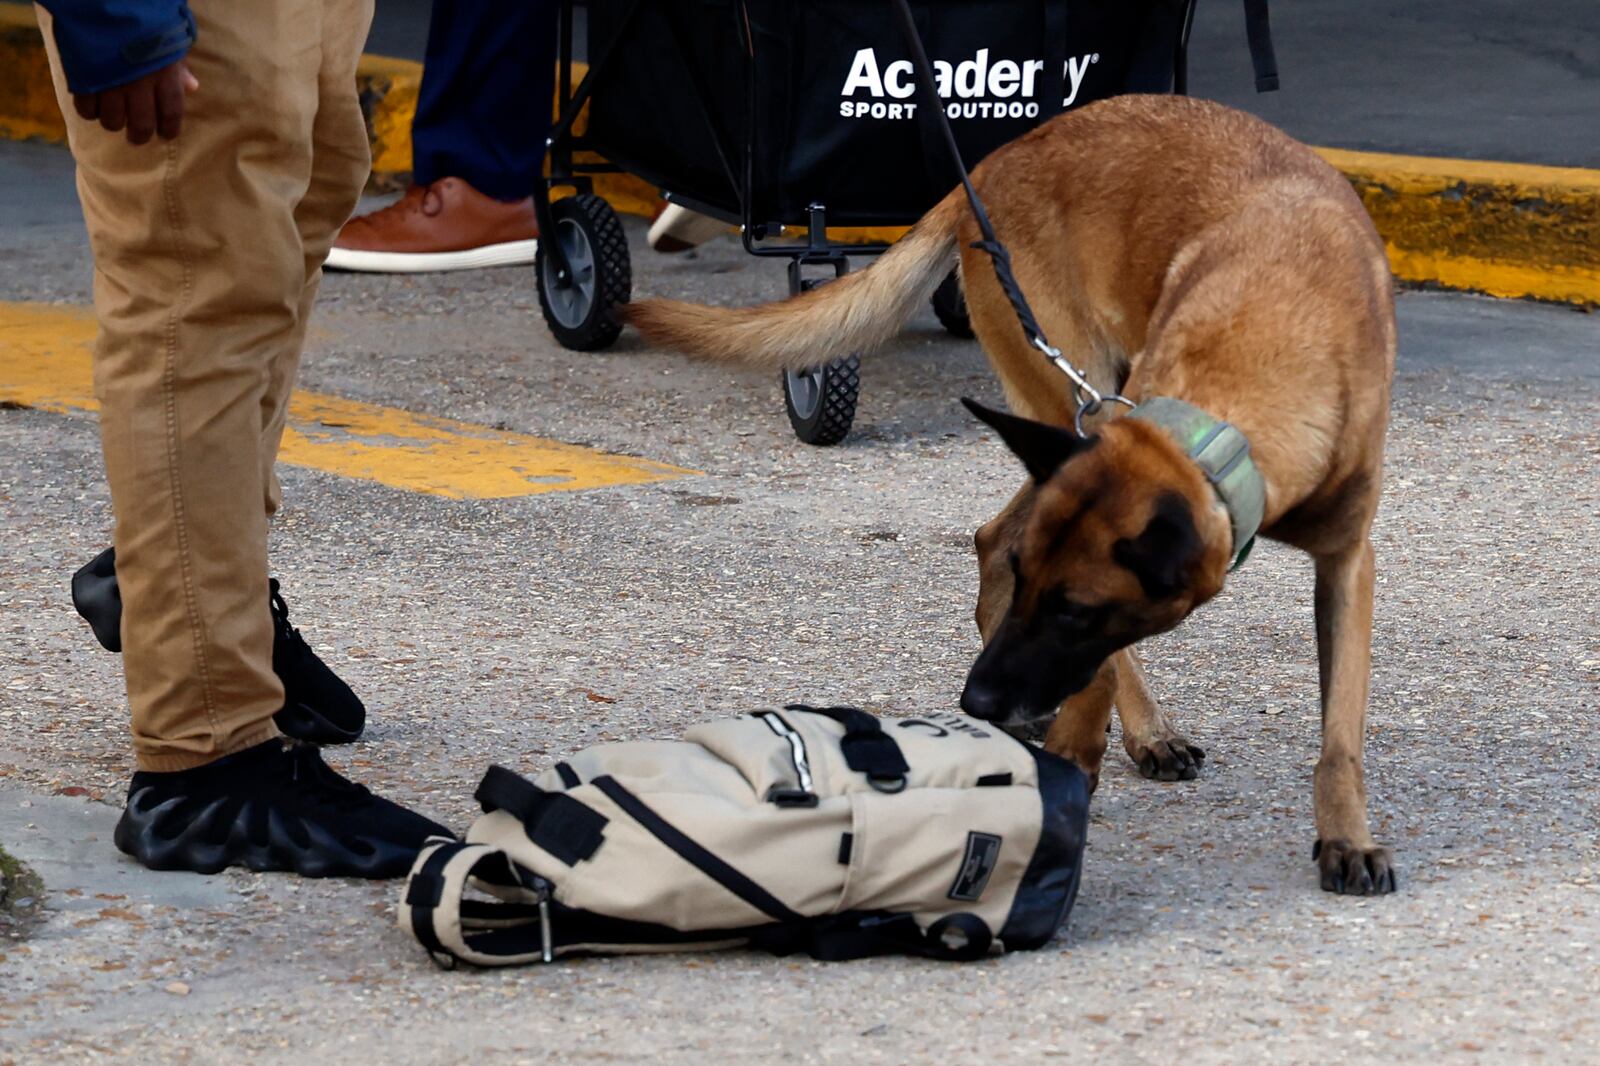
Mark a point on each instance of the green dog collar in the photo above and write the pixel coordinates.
(1224, 454)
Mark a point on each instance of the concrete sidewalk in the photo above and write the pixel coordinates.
(518, 630)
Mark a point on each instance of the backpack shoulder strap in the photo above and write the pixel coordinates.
(529, 925)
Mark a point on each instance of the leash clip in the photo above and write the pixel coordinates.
(1092, 408)
(1089, 398)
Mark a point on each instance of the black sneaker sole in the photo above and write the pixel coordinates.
(312, 852)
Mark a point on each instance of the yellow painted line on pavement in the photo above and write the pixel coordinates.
(45, 364)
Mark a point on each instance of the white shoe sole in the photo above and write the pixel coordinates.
(511, 253)
(689, 229)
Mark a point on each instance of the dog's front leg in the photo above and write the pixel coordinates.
(1148, 737)
(1351, 863)
(1079, 730)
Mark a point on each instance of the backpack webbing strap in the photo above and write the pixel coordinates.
(867, 748)
(693, 853)
(532, 927)
(448, 926)
(561, 825)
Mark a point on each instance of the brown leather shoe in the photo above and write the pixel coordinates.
(448, 225)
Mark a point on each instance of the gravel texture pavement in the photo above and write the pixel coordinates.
(519, 630)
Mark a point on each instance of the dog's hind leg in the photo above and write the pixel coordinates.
(1148, 737)
(1350, 862)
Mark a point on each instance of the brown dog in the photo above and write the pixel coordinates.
(1172, 248)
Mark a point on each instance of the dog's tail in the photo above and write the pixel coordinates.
(854, 314)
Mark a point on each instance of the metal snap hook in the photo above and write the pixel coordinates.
(1092, 408)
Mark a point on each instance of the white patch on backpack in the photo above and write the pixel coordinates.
(983, 852)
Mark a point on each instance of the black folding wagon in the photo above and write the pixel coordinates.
(786, 117)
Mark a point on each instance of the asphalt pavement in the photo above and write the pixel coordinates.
(517, 630)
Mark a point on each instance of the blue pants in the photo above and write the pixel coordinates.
(488, 82)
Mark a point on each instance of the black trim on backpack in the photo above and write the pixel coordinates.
(554, 821)
(574, 932)
(827, 938)
(960, 937)
(840, 937)
(697, 856)
(569, 776)
(865, 934)
(866, 747)
(1051, 881)
(499, 928)
(423, 893)
(424, 889)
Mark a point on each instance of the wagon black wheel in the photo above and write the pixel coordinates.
(822, 402)
(581, 309)
(950, 304)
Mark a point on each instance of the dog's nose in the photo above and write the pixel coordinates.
(980, 701)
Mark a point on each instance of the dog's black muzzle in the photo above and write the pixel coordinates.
(1022, 679)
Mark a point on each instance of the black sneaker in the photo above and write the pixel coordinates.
(318, 706)
(269, 807)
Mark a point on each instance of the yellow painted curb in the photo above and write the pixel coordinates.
(388, 89)
(27, 101)
(45, 365)
(1506, 229)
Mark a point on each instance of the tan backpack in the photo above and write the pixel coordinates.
(808, 829)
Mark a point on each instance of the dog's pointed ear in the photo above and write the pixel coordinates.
(1041, 446)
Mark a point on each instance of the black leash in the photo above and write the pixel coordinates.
(1089, 398)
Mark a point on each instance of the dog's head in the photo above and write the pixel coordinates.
(1118, 538)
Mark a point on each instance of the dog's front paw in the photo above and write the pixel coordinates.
(1168, 758)
(1352, 871)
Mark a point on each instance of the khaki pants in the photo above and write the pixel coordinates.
(208, 250)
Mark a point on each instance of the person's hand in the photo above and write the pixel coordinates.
(153, 104)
